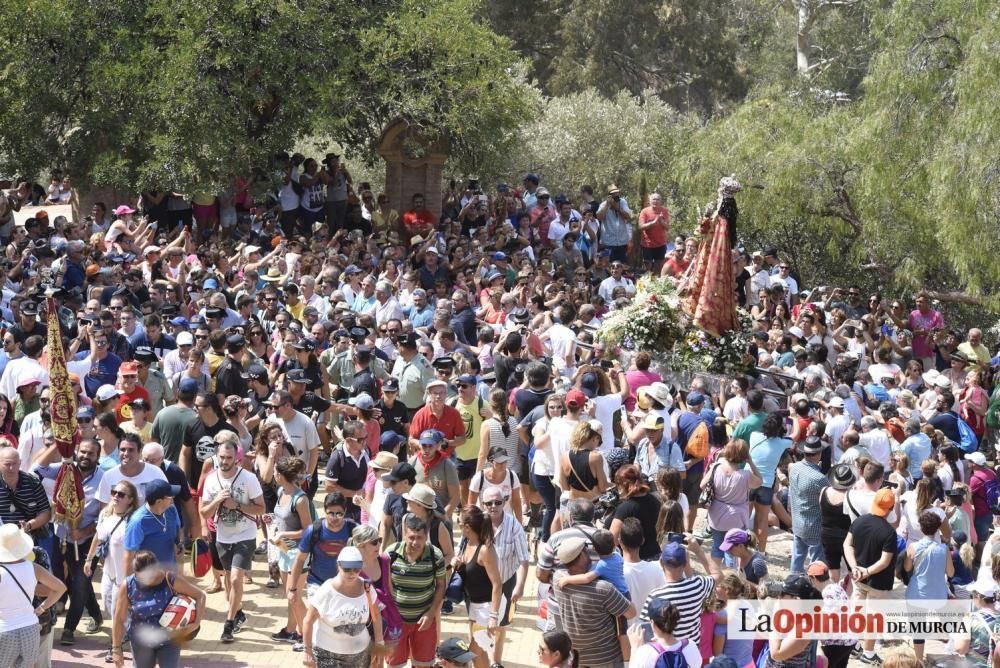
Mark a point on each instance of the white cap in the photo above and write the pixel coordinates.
(797, 331)
(942, 382)
(977, 458)
(185, 339)
(250, 250)
(835, 402)
(106, 392)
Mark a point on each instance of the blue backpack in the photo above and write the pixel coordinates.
(670, 658)
(968, 442)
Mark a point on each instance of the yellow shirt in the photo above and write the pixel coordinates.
(296, 310)
(473, 421)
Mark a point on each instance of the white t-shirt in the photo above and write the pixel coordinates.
(835, 429)
(605, 407)
(909, 527)
(560, 430)
(642, 578)
(231, 525)
(877, 443)
(646, 656)
(860, 500)
(480, 484)
(114, 476)
(557, 231)
(21, 369)
(736, 409)
(114, 563)
(301, 434)
(286, 196)
(341, 627)
(563, 343)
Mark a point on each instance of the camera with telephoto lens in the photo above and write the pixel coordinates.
(606, 504)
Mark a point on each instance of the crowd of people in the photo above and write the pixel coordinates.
(393, 417)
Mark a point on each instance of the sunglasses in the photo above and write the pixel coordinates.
(120, 494)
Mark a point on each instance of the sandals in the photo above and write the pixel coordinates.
(214, 589)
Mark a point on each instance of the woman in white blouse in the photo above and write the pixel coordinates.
(111, 533)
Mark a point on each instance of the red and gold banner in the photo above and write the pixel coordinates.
(68, 497)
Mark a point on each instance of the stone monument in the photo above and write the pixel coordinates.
(414, 163)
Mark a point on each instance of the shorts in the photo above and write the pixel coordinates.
(717, 537)
(237, 555)
(479, 613)
(833, 552)
(286, 559)
(418, 647)
(466, 468)
(864, 592)
(654, 254)
(762, 496)
(982, 524)
(692, 487)
(213, 549)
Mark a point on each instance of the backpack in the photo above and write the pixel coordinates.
(670, 658)
(968, 442)
(698, 444)
(992, 492)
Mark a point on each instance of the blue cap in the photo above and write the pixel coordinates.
(362, 402)
(695, 399)
(493, 275)
(390, 440)
(85, 412)
(468, 379)
(197, 321)
(179, 321)
(674, 554)
(160, 489)
(352, 269)
(431, 437)
(188, 385)
(499, 256)
(210, 284)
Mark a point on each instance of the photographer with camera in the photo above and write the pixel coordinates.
(616, 225)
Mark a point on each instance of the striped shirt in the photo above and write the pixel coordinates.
(28, 495)
(587, 613)
(511, 546)
(413, 582)
(688, 595)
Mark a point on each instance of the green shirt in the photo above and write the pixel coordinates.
(413, 377)
(748, 425)
(341, 369)
(414, 582)
(169, 427)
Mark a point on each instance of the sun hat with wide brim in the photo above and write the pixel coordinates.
(15, 544)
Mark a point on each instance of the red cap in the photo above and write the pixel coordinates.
(817, 569)
(575, 398)
(128, 369)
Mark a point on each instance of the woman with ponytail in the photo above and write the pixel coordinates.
(556, 651)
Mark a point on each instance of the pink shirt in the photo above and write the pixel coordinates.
(637, 379)
(923, 343)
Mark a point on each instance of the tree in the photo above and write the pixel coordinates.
(182, 93)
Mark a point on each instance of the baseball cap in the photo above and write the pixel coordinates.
(734, 537)
(188, 386)
(431, 437)
(401, 471)
(391, 385)
(160, 489)
(498, 454)
(467, 379)
(835, 402)
(362, 402)
(85, 412)
(883, 503)
(575, 398)
(499, 256)
(817, 569)
(695, 399)
(976, 458)
(349, 557)
(108, 392)
(798, 585)
(456, 650)
(128, 369)
(674, 554)
(653, 422)
(390, 440)
(258, 372)
(570, 549)
(180, 321)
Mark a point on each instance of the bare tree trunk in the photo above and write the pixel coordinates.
(807, 17)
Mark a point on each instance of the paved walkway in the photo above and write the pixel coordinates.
(265, 610)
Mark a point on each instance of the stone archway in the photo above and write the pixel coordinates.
(414, 163)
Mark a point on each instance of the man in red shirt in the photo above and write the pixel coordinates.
(654, 225)
(418, 220)
(435, 414)
(128, 385)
